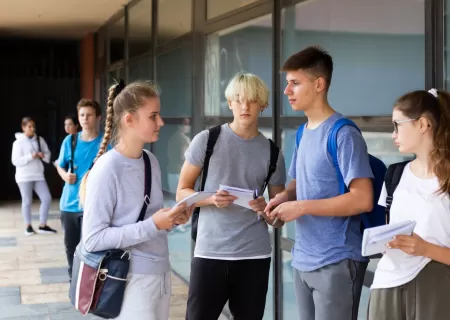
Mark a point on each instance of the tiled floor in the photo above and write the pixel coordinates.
(33, 276)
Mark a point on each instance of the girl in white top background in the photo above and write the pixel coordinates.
(412, 280)
(28, 152)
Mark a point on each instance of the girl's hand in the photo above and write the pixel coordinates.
(166, 218)
(413, 245)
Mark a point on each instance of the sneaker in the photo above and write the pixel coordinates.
(46, 230)
(29, 231)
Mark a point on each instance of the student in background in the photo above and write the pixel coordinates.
(28, 153)
(85, 150)
(71, 124)
(327, 263)
(412, 279)
(113, 194)
(233, 251)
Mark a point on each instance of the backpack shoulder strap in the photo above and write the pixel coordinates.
(39, 143)
(391, 181)
(212, 139)
(332, 147)
(73, 144)
(148, 185)
(299, 134)
(274, 152)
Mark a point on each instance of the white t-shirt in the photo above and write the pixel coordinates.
(414, 199)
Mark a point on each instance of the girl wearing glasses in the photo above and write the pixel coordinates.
(412, 280)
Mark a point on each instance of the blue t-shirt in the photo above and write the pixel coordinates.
(84, 155)
(321, 241)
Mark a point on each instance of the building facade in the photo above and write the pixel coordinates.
(192, 48)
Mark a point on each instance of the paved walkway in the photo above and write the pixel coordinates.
(33, 272)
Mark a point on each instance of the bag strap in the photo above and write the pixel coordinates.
(73, 144)
(148, 185)
(212, 139)
(274, 152)
(39, 143)
(299, 134)
(332, 147)
(391, 180)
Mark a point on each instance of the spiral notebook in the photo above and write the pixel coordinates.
(376, 238)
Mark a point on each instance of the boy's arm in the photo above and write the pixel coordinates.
(355, 168)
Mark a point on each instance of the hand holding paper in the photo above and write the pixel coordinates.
(413, 245)
(195, 197)
(243, 196)
(223, 199)
(375, 239)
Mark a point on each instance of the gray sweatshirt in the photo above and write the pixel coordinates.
(114, 198)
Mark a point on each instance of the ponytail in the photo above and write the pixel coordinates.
(440, 156)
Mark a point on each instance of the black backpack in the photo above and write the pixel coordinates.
(212, 139)
(391, 180)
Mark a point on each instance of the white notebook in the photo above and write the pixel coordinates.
(376, 238)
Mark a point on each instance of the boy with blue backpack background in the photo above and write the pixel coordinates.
(332, 195)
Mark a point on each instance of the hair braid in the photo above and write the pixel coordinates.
(108, 125)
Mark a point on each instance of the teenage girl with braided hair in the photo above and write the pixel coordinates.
(113, 192)
(412, 279)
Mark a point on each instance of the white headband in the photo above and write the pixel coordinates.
(433, 92)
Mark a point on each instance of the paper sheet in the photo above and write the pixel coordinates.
(375, 239)
(195, 197)
(244, 196)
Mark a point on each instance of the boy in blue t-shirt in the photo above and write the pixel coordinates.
(328, 266)
(86, 145)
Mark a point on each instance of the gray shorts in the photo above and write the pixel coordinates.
(426, 297)
(331, 292)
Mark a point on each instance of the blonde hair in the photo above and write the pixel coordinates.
(121, 99)
(249, 87)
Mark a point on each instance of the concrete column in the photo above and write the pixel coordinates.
(87, 72)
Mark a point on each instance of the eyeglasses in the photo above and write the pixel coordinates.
(396, 122)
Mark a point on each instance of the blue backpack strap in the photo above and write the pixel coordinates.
(332, 148)
(299, 134)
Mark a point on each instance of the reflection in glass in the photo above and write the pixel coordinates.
(378, 56)
(174, 19)
(140, 28)
(243, 48)
(174, 76)
(140, 69)
(217, 7)
(169, 150)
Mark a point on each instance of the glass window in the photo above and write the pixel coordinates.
(140, 28)
(244, 48)
(169, 149)
(215, 8)
(174, 76)
(140, 69)
(116, 34)
(377, 55)
(447, 45)
(174, 19)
